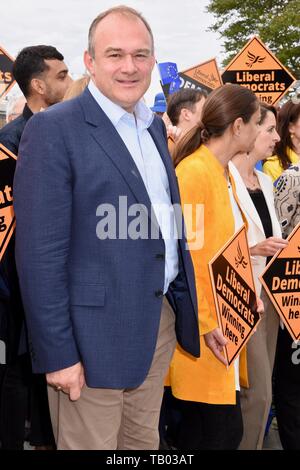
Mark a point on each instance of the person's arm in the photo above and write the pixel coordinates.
(10, 139)
(43, 207)
(268, 247)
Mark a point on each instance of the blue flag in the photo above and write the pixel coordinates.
(169, 75)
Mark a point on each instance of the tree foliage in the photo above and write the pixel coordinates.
(276, 22)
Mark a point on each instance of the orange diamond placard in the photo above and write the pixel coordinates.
(256, 68)
(281, 279)
(204, 76)
(6, 78)
(234, 293)
(7, 217)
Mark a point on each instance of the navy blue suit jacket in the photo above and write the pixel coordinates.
(86, 299)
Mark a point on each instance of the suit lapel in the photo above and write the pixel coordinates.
(109, 140)
(111, 143)
(173, 185)
(165, 156)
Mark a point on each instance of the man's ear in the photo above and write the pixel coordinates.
(237, 126)
(88, 62)
(185, 114)
(38, 86)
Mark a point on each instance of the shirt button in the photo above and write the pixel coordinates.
(159, 293)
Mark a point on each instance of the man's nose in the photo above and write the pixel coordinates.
(128, 64)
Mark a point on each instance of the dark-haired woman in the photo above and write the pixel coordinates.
(256, 196)
(208, 390)
(288, 149)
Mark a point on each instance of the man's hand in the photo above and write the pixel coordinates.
(215, 341)
(69, 380)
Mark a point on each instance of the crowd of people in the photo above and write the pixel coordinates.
(106, 310)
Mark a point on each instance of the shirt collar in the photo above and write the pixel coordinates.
(27, 113)
(116, 113)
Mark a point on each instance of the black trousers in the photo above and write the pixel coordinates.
(41, 433)
(14, 402)
(287, 390)
(210, 427)
(23, 396)
(170, 419)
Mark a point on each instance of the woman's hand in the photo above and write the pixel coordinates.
(215, 341)
(268, 247)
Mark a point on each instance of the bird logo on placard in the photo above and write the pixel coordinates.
(253, 59)
(240, 258)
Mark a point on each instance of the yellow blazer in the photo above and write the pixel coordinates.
(273, 167)
(202, 182)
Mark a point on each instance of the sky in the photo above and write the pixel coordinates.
(179, 28)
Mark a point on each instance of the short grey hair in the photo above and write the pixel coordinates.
(122, 10)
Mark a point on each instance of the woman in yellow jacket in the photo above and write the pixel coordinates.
(211, 415)
(288, 149)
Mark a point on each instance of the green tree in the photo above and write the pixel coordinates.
(276, 22)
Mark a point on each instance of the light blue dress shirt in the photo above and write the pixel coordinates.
(133, 130)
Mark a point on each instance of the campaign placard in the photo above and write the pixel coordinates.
(234, 293)
(256, 68)
(281, 280)
(7, 217)
(204, 76)
(6, 78)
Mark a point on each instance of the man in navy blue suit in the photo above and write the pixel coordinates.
(43, 78)
(105, 275)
